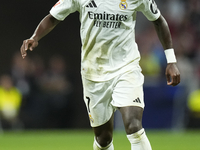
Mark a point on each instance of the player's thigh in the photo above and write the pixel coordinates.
(129, 98)
(132, 118)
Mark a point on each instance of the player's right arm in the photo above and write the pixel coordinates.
(44, 27)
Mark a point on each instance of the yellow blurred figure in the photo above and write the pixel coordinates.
(10, 100)
(194, 102)
(150, 65)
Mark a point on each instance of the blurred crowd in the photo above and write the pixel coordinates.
(35, 95)
(183, 17)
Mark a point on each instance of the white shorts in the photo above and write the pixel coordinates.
(103, 98)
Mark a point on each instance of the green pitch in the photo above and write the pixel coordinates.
(83, 140)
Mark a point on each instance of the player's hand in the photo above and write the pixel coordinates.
(28, 44)
(172, 74)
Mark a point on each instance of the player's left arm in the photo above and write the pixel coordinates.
(172, 73)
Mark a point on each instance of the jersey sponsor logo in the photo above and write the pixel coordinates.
(137, 100)
(107, 20)
(91, 4)
(153, 7)
(58, 3)
(106, 16)
(123, 4)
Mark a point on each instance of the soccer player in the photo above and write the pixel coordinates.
(110, 70)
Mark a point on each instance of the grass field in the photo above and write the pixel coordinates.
(83, 140)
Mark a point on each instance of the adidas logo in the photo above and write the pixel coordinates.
(137, 100)
(91, 4)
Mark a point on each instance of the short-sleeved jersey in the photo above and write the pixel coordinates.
(107, 33)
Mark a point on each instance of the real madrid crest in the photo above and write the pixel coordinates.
(123, 4)
(91, 119)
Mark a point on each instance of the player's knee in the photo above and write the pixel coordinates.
(133, 126)
(104, 140)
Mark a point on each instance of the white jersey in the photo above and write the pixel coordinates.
(107, 33)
